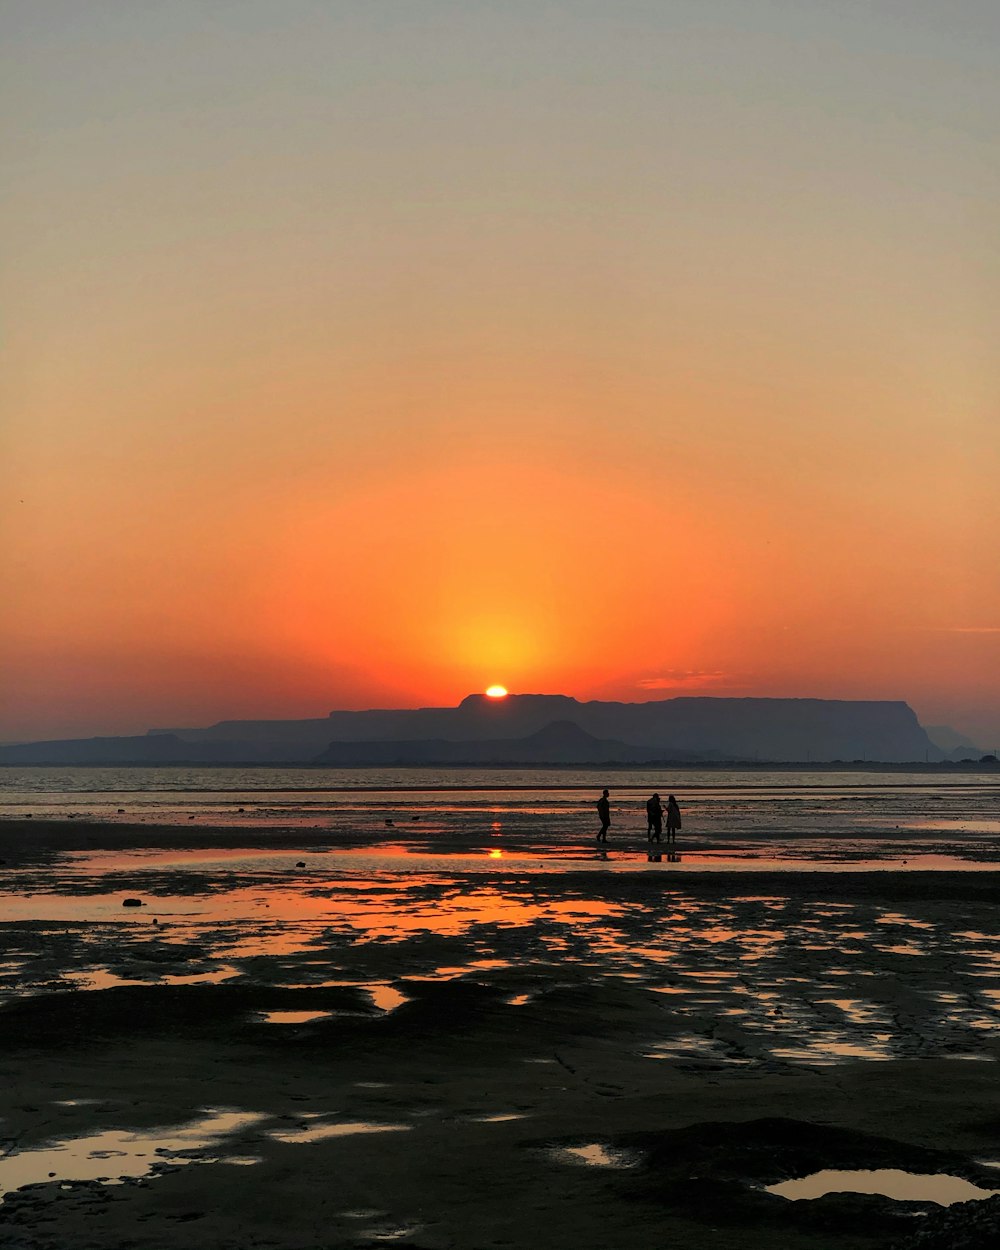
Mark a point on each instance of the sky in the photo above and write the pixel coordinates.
(364, 354)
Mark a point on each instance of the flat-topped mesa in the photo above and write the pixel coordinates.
(779, 730)
(764, 729)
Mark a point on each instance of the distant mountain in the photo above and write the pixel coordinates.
(952, 744)
(142, 749)
(766, 729)
(777, 730)
(561, 742)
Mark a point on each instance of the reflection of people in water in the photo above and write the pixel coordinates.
(604, 811)
(654, 818)
(673, 819)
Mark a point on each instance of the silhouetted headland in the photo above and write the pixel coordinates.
(532, 729)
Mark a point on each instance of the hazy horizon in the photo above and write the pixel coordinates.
(363, 355)
(160, 726)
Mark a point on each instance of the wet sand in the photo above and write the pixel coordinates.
(349, 1040)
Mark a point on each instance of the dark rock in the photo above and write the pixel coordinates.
(69, 1019)
(965, 1226)
(720, 1171)
(132, 902)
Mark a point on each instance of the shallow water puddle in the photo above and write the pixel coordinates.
(594, 1154)
(115, 1155)
(823, 1051)
(200, 978)
(692, 1046)
(396, 1233)
(976, 825)
(897, 918)
(105, 979)
(887, 1182)
(319, 1132)
(709, 974)
(858, 1011)
(291, 1017)
(445, 972)
(385, 997)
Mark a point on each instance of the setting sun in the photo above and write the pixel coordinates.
(497, 692)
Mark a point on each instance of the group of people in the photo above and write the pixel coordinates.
(655, 814)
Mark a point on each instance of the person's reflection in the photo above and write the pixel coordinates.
(654, 857)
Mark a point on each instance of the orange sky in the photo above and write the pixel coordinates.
(368, 355)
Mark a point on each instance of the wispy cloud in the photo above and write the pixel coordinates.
(966, 629)
(685, 679)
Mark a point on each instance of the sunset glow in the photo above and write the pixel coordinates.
(497, 692)
(324, 391)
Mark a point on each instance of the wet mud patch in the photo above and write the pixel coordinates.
(434, 1008)
(87, 1017)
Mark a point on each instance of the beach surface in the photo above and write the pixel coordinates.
(442, 1018)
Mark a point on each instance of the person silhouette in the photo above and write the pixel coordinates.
(654, 818)
(673, 820)
(603, 806)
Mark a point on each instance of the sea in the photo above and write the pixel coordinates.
(919, 818)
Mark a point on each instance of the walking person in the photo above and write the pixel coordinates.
(673, 820)
(654, 818)
(603, 806)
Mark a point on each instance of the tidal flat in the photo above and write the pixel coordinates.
(470, 1029)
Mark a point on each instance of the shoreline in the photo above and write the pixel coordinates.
(429, 1055)
(989, 767)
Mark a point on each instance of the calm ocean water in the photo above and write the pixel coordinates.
(820, 813)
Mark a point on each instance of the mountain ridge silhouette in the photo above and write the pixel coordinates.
(559, 742)
(684, 727)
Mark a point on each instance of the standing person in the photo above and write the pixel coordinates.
(603, 806)
(654, 818)
(673, 819)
